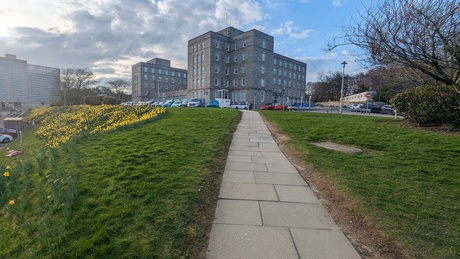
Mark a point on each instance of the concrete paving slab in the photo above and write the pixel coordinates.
(252, 242)
(281, 168)
(291, 193)
(279, 178)
(239, 176)
(262, 139)
(271, 154)
(300, 215)
(245, 166)
(239, 158)
(247, 191)
(238, 212)
(328, 244)
(241, 147)
(244, 153)
(271, 160)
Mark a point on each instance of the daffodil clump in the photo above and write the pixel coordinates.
(58, 125)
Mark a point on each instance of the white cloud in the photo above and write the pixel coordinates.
(338, 3)
(287, 28)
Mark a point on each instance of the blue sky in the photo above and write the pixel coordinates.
(109, 36)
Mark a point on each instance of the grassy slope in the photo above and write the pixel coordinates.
(139, 188)
(407, 180)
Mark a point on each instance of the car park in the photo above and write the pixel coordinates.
(196, 102)
(11, 132)
(280, 107)
(176, 104)
(267, 106)
(184, 103)
(387, 109)
(213, 104)
(5, 138)
(168, 103)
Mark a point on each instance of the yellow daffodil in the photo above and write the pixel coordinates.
(11, 202)
(8, 167)
(6, 174)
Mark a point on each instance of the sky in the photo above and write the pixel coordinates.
(109, 36)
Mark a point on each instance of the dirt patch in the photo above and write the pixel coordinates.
(359, 229)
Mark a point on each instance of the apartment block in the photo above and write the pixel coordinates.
(25, 85)
(243, 67)
(156, 80)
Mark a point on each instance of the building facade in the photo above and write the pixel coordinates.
(24, 85)
(156, 80)
(243, 67)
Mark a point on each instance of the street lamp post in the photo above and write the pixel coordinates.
(341, 89)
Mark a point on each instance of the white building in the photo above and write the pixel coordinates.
(24, 85)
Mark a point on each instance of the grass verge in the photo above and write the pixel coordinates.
(406, 181)
(144, 191)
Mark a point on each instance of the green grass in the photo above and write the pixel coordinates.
(141, 190)
(407, 181)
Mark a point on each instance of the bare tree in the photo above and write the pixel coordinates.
(75, 84)
(83, 79)
(119, 87)
(423, 35)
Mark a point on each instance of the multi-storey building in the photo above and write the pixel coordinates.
(242, 66)
(156, 80)
(24, 85)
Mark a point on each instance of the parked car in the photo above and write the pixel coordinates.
(300, 106)
(281, 107)
(196, 102)
(355, 106)
(11, 132)
(387, 109)
(184, 103)
(168, 103)
(213, 103)
(154, 104)
(240, 105)
(267, 106)
(176, 104)
(5, 138)
(374, 108)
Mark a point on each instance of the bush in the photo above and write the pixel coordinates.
(110, 100)
(430, 105)
(92, 100)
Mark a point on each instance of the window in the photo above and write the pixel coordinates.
(243, 81)
(216, 81)
(227, 59)
(274, 71)
(202, 70)
(198, 58)
(159, 78)
(146, 77)
(279, 72)
(194, 59)
(216, 69)
(166, 72)
(226, 70)
(244, 56)
(235, 70)
(178, 74)
(166, 79)
(202, 57)
(262, 96)
(235, 58)
(227, 47)
(216, 44)
(262, 69)
(226, 83)
(153, 77)
(202, 45)
(235, 83)
(274, 81)
(145, 69)
(236, 46)
(285, 73)
(274, 61)
(198, 71)
(243, 69)
(194, 48)
(216, 57)
(159, 71)
(263, 56)
(244, 44)
(290, 74)
(172, 73)
(153, 70)
(185, 75)
(194, 71)
(262, 82)
(202, 82)
(172, 80)
(264, 44)
(242, 95)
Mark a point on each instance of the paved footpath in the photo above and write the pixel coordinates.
(265, 208)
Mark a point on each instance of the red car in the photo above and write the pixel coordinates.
(281, 106)
(267, 106)
(11, 132)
